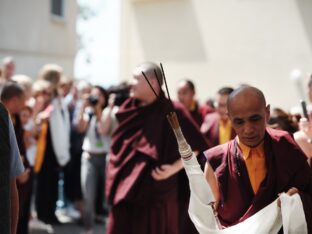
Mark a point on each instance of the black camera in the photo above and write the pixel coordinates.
(121, 91)
(93, 100)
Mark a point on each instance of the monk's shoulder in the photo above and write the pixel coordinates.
(212, 117)
(184, 116)
(129, 103)
(285, 146)
(278, 134)
(179, 108)
(282, 138)
(210, 120)
(216, 155)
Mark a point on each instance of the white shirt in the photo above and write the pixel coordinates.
(94, 142)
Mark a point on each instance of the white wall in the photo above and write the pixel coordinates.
(221, 42)
(34, 37)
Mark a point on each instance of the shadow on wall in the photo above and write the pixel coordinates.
(169, 31)
(305, 9)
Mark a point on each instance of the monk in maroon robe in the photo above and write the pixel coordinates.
(210, 129)
(285, 165)
(186, 95)
(143, 172)
(212, 121)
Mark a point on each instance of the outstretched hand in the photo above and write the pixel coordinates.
(290, 192)
(23, 178)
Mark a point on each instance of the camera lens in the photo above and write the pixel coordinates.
(93, 100)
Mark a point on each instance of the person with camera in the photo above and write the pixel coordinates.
(95, 147)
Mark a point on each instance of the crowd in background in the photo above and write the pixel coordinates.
(64, 126)
(63, 130)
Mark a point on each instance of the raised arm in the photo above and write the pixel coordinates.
(105, 125)
(82, 121)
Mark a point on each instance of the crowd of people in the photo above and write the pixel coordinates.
(63, 129)
(118, 157)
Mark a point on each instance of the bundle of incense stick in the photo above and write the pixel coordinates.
(184, 148)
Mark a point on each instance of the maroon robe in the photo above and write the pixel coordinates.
(199, 113)
(286, 167)
(142, 141)
(210, 129)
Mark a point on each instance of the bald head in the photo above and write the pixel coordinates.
(186, 93)
(246, 94)
(249, 114)
(142, 90)
(149, 69)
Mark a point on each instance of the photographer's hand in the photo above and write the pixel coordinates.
(106, 118)
(82, 122)
(111, 100)
(98, 111)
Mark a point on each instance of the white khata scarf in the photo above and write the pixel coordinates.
(60, 131)
(269, 220)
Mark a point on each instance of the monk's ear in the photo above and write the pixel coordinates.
(267, 112)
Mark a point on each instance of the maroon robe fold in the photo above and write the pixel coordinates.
(286, 167)
(210, 129)
(199, 113)
(142, 141)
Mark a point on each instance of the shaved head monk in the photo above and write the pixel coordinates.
(216, 127)
(145, 186)
(186, 93)
(259, 164)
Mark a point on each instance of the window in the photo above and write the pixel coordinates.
(57, 8)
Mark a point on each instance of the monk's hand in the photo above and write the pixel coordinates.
(290, 192)
(23, 178)
(164, 171)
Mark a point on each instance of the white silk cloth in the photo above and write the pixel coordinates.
(60, 131)
(269, 220)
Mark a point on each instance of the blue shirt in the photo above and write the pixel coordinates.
(16, 164)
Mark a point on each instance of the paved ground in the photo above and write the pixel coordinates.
(69, 225)
(69, 228)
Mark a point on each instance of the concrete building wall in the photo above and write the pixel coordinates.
(221, 42)
(33, 36)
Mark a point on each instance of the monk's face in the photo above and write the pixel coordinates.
(140, 89)
(185, 94)
(249, 117)
(221, 106)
